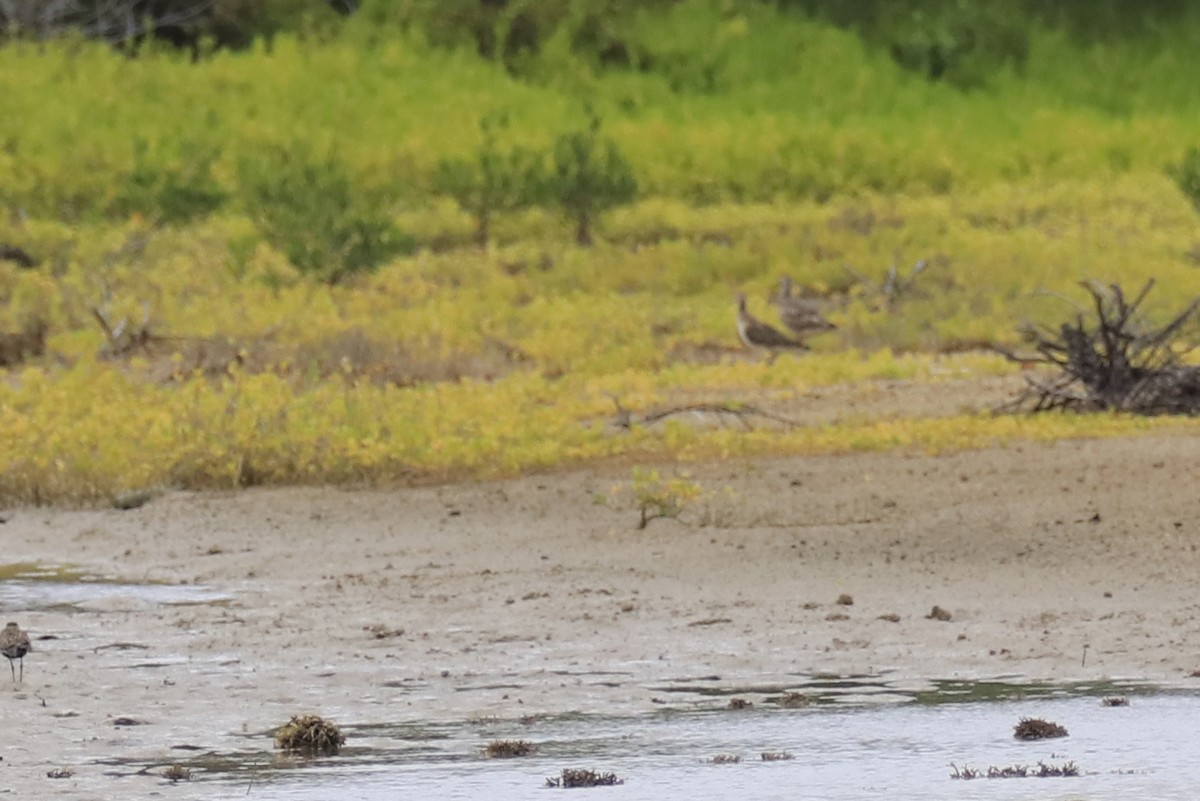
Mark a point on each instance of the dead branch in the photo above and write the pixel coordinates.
(122, 338)
(740, 412)
(1112, 360)
(893, 287)
(113, 21)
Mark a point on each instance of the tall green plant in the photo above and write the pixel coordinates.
(590, 175)
(495, 180)
(306, 205)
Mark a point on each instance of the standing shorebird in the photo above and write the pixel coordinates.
(14, 644)
(757, 334)
(800, 315)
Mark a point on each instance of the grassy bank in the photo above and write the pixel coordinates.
(777, 145)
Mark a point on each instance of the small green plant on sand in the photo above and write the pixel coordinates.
(657, 497)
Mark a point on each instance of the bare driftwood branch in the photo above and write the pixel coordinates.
(1112, 360)
(894, 287)
(741, 412)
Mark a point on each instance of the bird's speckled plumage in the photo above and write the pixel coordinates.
(757, 334)
(14, 644)
(800, 315)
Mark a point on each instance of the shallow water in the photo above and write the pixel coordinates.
(28, 586)
(849, 745)
(863, 737)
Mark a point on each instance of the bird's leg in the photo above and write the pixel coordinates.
(771, 359)
(13, 669)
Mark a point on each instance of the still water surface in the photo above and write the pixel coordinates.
(842, 749)
(863, 737)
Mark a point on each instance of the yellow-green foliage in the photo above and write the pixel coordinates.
(789, 148)
(345, 383)
(784, 108)
(655, 496)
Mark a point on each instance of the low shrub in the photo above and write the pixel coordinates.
(307, 206)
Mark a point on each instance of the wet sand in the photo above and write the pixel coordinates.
(531, 596)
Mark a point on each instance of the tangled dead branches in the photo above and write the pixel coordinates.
(1112, 361)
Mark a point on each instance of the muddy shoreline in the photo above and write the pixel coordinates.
(530, 597)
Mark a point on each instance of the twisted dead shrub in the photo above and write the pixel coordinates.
(1112, 360)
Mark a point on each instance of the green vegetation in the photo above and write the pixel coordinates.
(306, 206)
(278, 226)
(493, 181)
(590, 176)
(656, 497)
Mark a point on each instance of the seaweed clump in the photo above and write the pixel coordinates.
(177, 773)
(793, 700)
(1037, 729)
(309, 734)
(724, 759)
(582, 777)
(506, 749)
(1042, 771)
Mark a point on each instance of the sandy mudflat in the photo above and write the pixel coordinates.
(528, 596)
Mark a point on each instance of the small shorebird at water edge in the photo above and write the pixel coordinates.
(14, 644)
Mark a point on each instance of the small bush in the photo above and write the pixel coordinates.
(237, 23)
(656, 497)
(171, 190)
(308, 207)
(589, 176)
(954, 41)
(961, 43)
